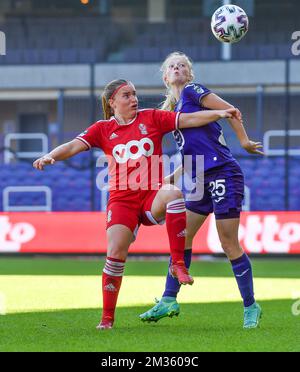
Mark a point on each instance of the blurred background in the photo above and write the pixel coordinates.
(61, 53)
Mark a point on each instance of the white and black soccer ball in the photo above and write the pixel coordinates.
(229, 23)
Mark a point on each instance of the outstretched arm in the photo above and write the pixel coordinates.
(62, 152)
(214, 102)
(201, 118)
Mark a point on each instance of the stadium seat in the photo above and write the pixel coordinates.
(31, 56)
(69, 56)
(266, 51)
(49, 56)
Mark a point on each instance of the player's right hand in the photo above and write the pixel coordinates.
(41, 162)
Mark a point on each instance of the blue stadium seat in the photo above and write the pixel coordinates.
(87, 55)
(244, 52)
(49, 56)
(69, 56)
(283, 51)
(31, 56)
(132, 54)
(266, 51)
(150, 54)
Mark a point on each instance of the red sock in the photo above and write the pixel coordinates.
(111, 282)
(176, 227)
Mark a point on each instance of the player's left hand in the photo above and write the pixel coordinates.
(253, 147)
(232, 113)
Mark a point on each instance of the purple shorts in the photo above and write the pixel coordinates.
(223, 193)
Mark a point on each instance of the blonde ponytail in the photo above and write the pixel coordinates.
(169, 102)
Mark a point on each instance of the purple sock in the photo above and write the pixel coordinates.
(172, 285)
(243, 274)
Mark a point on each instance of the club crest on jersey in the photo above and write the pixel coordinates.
(143, 129)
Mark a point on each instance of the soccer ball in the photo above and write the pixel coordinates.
(229, 23)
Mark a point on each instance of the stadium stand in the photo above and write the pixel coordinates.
(55, 37)
(71, 188)
(34, 40)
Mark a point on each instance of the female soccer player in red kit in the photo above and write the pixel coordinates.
(129, 136)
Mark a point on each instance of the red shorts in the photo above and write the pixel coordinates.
(132, 211)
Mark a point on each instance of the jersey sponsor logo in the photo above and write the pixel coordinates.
(143, 129)
(133, 150)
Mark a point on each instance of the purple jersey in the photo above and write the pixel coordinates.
(207, 140)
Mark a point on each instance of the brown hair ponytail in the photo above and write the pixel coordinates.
(107, 94)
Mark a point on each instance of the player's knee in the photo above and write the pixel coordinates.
(230, 247)
(116, 250)
(173, 193)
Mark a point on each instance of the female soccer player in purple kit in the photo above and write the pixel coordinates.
(223, 184)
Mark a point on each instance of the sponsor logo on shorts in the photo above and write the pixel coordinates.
(109, 216)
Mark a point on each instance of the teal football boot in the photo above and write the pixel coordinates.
(167, 306)
(252, 316)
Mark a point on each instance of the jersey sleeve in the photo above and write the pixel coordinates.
(91, 137)
(195, 92)
(167, 121)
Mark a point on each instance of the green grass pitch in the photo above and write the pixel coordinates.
(54, 305)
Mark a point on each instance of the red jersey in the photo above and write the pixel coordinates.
(134, 150)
